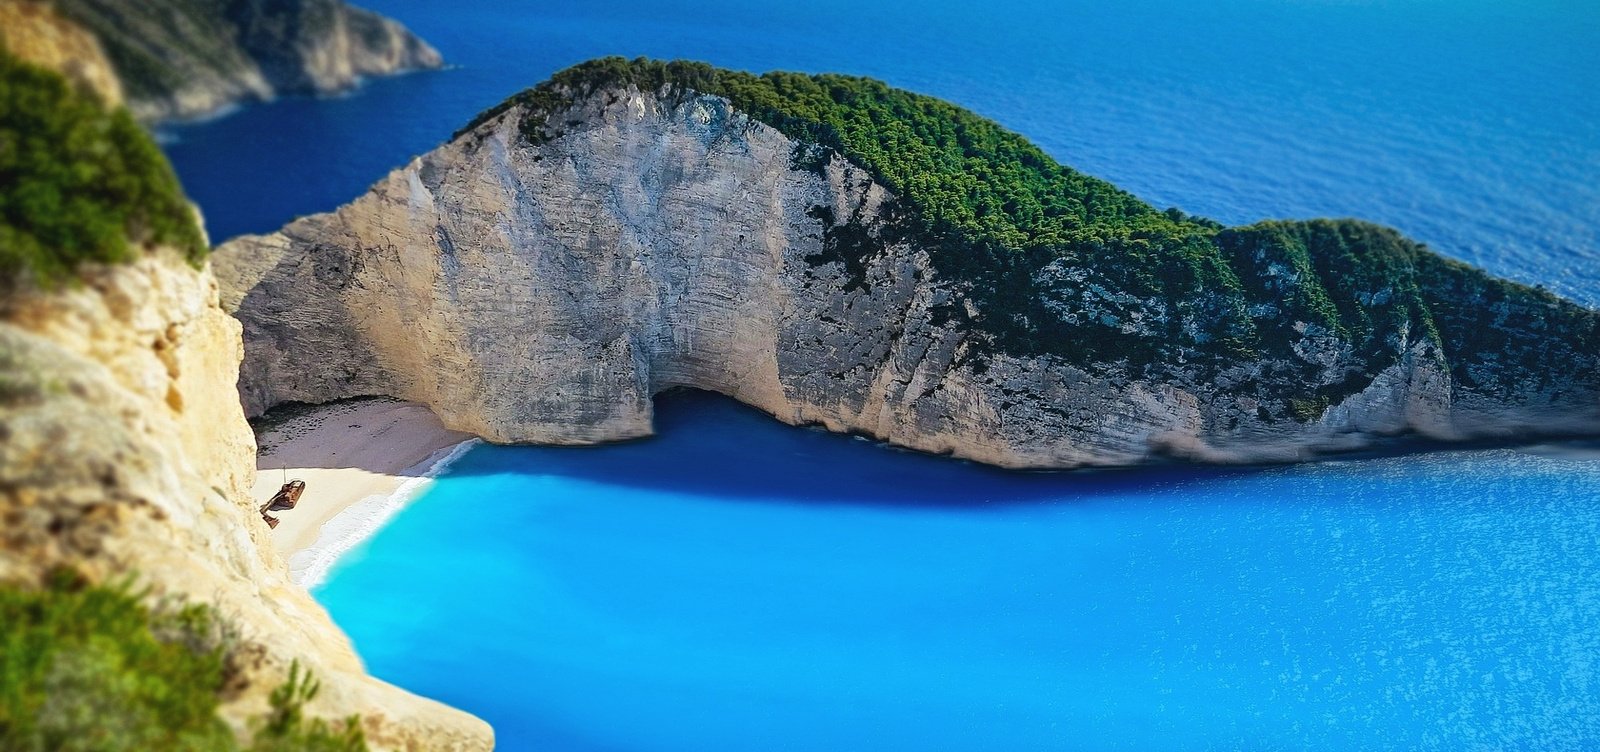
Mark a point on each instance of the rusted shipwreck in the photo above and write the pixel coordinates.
(285, 498)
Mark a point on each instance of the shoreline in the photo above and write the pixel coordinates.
(362, 461)
(365, 459)
(362, 518)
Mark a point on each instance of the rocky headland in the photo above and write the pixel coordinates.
(840, 253)
(189, 58)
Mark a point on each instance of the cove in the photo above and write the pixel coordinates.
(737, 584)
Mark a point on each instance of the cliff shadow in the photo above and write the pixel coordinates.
(378, 435)
(710, 445)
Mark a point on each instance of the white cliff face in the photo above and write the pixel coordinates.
(123, 451)
(544, 292)
(361, 43)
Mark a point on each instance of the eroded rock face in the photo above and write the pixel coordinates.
(34, 32)
(542, 290)
(123, 450)
(188, 58)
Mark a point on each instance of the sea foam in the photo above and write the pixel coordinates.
(359, 521)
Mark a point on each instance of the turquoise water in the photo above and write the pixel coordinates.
(739, 585)
(736, 584)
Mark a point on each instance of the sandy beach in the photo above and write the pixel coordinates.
(360, 460)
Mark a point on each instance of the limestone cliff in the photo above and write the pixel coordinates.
(187, 58)
(581, 249)
(123, 451)
(33, 31)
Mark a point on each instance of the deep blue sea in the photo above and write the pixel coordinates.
(1472, 125)
(735, 584)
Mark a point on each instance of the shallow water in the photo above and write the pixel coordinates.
(736, 584)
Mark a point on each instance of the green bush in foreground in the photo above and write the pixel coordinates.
(93, 669)
(79, 182)
(286, 729)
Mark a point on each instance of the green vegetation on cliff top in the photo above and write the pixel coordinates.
(1061, 263)
(93, 669)
(78, 182)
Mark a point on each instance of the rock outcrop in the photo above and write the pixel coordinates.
(540, 286)
(124, 455)
(123, 452)
(33, 31)
(183, 59)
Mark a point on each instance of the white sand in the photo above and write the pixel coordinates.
(361, 461)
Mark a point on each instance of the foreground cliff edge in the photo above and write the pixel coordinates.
(124, 455)
(836, 252)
